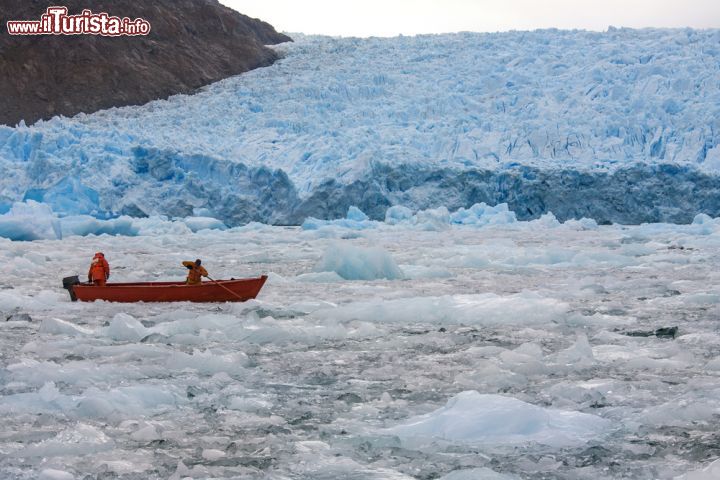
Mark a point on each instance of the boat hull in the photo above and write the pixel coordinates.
(220, 291)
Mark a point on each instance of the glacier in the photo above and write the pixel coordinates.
(619, 126)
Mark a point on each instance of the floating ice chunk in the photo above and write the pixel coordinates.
(182, 471)
(155, 226)
(582, 224)
(579, 355)
(531, 349)
(710, 472)
(61, 327)
(706, 338)
(312, 223)
(269, 330)
(490, 377)
(52, 474)
(36, 221)
(546, 221)
(471, 260)
(275, 278)
(319, 277)
(30, 221)
(147, 433)
(701, 298)
(193, 324)
(43, 300)
(47, 399)
(354, 220)
(359, 263)
(204, 223)
(212, 454)
(524, 308)
(685, 410)
(135, 464)
(703, 219)
(78, 439)
(252, 226)
(249, 404)
(354, 213)
(713, 364)
(125, 401)
(477, 474)
(482, 214)
(545, 256)
(398, 214)
(49, 392)
(202, 212)
(319, 461)
(83, 225)
(420, 271)
(524, 360)
(474, 418)
(435, 219)
(10, 301)
(208, 363)
(314, 447)
(570, 393)
(124, 327)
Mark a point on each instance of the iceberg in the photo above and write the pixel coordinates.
(30, 221)
(354, 220)
(397, 214)
(474, 418)
(433, 219)
(359, 263)
(481, 214)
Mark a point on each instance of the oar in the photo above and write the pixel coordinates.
(223, 286)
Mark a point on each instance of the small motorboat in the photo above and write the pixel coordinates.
(233, 290)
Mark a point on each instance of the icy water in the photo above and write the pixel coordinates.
(521, 345)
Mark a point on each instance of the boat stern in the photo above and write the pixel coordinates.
(69, 285)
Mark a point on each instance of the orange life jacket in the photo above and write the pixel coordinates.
(195, 273)
(99, 268)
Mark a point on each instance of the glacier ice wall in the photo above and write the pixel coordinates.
(620, 126)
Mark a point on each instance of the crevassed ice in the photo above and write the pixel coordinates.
(402, 116)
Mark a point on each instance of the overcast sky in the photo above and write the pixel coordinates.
(408, 17)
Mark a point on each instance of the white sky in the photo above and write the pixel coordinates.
(408, 17)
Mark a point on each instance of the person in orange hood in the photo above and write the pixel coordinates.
(196, 272)
(99, 270)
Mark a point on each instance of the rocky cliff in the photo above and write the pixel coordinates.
(191, 43)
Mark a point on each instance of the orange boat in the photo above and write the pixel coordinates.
(234, 290)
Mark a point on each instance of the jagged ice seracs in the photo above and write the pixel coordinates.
(618, 126)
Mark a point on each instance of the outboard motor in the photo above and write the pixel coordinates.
(68, 283)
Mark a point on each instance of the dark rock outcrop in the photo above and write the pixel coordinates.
(192, 43)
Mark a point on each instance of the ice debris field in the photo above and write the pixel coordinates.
(620, 126)
(432, 345)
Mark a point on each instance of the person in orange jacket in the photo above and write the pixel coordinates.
(99, 270)
(197, 271)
